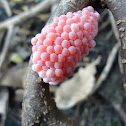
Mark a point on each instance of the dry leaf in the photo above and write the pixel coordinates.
(14, 77)
(78, 88)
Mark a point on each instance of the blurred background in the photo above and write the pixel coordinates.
(93, 96)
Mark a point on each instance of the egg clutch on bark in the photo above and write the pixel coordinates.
(63, 43)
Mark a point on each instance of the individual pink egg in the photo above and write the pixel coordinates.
(80, 34)
(41, 62)
(66, 28)
(59, 29)
(76, 18)
(58, 41)
(69, 21)
(58, 49)
(49, 64)
(65, 35)
(42, 73)
(58, 72)
(53, 57)
(69, 59)
(63, 17)
(69, 15)
(50, 73)
(50, 49)
(47, 42)
(45, 56)
(65, 44)
(41, 49)
(58, 65)
(72, 35)
(75, 27)
(34, 49)
(61, 58)
(46, 79)
(36, 55)
(77, 42)
(65, 52)
(51, 30)
(72, 50)
(37, 68)
(34, 41)
(61, 23)
(51, 36)
(87, 26)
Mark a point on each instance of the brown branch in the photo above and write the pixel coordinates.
(120, 111)
(107, 68)
(6, 45)
(38, 106)
(7, 7)
(41, 7)
(118, 9)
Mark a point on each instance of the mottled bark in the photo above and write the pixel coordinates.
(118, 9)
(38, 106)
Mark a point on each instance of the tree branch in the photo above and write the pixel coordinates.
(43, 6)
(118, 9)
(6, 46)
(38, 103)
(38, 106)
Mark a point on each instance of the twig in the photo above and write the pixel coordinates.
(7, 7)
(105, 24)
(108, 36)
(103, 14)
(118, 9)
(120, 110)
(107, 67)
(115, 30)
(1, 37)
(38, 106)
(43, 6)
(4, 98)
(6, 46)
(116, 107)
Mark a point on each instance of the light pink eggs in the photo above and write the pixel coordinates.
(63, 43)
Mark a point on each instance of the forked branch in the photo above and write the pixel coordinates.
(38, 106)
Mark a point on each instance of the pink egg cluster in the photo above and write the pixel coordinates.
(63, 43)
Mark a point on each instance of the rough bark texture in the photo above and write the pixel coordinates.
(38, 106)
(118, 9)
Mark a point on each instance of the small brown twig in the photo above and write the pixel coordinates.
(4, 99)
(107, 67)
(7, 7)
(117, 107)
(120, 110)
(38, 106)
(118, 9)
(105, 24)
(41, 7)
(6, 45)
(114, 28)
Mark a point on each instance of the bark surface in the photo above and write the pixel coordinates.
(38, 106)
(118, 9)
